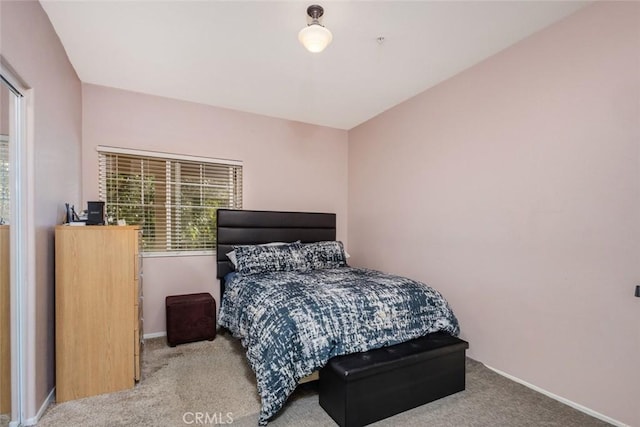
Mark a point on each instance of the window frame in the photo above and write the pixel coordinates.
(175, 159)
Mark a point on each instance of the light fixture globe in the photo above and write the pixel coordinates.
(315, 37)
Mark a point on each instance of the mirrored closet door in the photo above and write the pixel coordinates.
(11, 125)
(5, 261)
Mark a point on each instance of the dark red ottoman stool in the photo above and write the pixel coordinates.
(190, 318)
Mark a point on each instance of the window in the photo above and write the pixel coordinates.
(173, 198)
(5, 205)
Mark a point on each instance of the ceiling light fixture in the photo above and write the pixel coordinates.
(315, 37)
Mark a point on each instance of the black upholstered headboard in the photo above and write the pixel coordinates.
(244, 227)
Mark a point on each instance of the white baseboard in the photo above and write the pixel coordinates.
(561, 399)
(33, 421)
(155, 335)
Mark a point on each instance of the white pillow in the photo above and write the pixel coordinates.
(232, 257)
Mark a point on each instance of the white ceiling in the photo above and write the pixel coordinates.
(246, 55)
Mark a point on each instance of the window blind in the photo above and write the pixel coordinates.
(174, 200)
(5, 206)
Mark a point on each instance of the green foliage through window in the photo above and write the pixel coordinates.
(174, 201)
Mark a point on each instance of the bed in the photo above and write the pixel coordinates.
(297, 314)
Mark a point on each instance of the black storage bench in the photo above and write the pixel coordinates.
(361, 388)
(190, 317)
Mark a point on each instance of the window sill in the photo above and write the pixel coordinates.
(176, 254)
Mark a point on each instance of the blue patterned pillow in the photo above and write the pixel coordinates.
(232, 255)
(325, 254)
(261, 259)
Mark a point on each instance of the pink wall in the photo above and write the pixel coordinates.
(287, 166)
(514, 188)
(33, 50)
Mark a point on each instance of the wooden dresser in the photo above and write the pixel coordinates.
(98, 310)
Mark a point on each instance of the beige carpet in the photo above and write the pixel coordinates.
(212, 379)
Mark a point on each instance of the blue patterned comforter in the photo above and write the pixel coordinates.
(292, 323)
